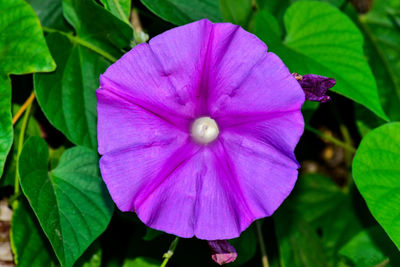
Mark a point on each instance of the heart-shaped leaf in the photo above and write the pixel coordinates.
(67, 96)
(71, 201)
(376, 172)
(333, 49)
(22, 50)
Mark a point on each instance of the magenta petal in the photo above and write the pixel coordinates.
(222, 251)
(248, 80)
(182, 52)
(140, 78)
(196, 198)
(127, 171)
(130, 124)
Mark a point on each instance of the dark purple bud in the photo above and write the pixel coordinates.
(315, 86)
(222, 251)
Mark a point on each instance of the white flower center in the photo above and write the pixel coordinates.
(204, 130)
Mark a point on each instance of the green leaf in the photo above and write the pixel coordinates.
(383, 42)
(298, 243)
(334, 48)
(376, 169)
(29, 244)
(181, 12)
(50, 13)
(22, 50)
(97, 26)
(141, 262)
(67, 96)
(70, 201)
(236, 11)
(371, 247)
(119, 8)
(382, 36)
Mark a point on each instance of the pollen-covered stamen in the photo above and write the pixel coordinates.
(204, 130)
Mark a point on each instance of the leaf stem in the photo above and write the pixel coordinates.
(120, 11)
(331, 139)
(77, 40)
(21, 142)
(264, 257)
(23, 108)
(170, 252)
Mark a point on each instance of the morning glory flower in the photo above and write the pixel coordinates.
(197, 130)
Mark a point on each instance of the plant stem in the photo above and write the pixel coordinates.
(170, 252)
(264, 257)
(120, 11)
(347, 139)
(23, 108)
(77, 40)
(331, 139)
(21, 143)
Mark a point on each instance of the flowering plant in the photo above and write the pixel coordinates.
(195, 133)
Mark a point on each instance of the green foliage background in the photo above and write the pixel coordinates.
(62, 213)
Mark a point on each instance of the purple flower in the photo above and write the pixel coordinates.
(315, 86)
(222, 251)
(197, 130)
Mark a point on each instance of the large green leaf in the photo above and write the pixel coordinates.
(180, 12)
(383, 39)
(22, 50)
(322, 40)
(376, 172)
(71, 201)
(31, 247)
(67, 96)
(236, 11)
(382, 36)
(371, 247)
(29, 244)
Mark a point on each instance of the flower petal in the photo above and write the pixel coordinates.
(264, 161)
(254, 83)
(161, 75)
(127, 172)
(122, 123)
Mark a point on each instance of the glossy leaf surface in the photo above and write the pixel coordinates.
(77, 208)
(376, 172)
